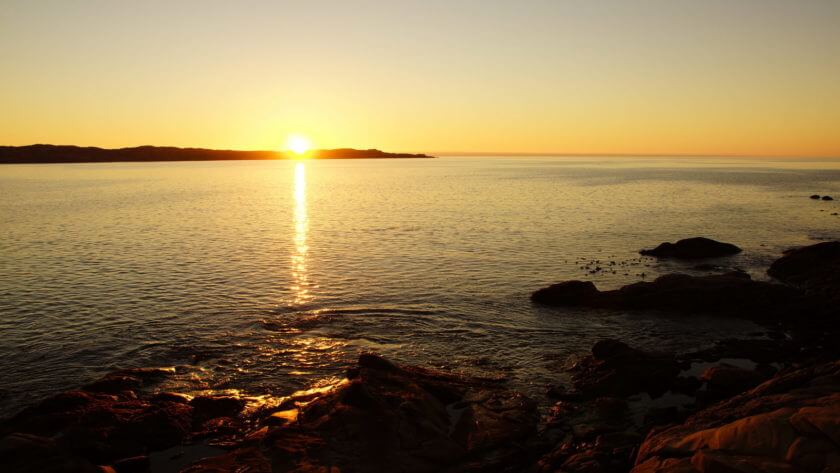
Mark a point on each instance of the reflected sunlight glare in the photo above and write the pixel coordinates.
(301, 220)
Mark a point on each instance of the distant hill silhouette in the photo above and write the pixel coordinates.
(78, 154)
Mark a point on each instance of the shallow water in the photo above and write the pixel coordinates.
(272, 276)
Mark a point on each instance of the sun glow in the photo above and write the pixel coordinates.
(298, 144)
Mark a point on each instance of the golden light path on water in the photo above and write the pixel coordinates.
(301, 219)
(302, 353)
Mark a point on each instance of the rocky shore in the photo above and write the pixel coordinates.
(769, 404)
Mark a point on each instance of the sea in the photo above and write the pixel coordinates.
(266, 277)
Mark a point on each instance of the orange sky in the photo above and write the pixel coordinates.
(753, 77)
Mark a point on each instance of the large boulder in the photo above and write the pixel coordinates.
(814, 268)
(693, 248)
(790, 423)
(733, 293)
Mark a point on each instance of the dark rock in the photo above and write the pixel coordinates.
(103, 428)
(757, 350)
(816, 197)
(617, 370)
(789, 423)
(607, 349)
(375, 362)
(814, 268)
(208, 407)
(733, 293)
(171, 397)
(26, 453)
(569, 293)
(114, 383)
(590, 435)
(664, 416)
(130, 379)
(723, 381)
(693, 248)
(556, 391)
(707, 267)
(389, 415)
(138, 464)
(827, 197)
(686, 385)
(248, 459)
(610, 407)
(164, 425)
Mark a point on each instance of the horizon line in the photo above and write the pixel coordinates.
(562, 154)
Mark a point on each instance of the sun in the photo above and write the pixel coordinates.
(298, 144)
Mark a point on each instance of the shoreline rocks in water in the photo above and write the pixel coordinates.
(693, 248)
(381, 417)
(739, 406)
(388, 417)
(732, 293)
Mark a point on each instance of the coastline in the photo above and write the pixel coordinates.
(625, 409)
(64, 154)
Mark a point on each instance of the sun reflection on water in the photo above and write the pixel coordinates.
(300, 276)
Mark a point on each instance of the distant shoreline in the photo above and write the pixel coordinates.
(62, 154)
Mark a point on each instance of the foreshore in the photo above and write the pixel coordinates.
(768, 404)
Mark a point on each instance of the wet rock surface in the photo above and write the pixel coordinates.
(394, 418)
(693, 248)
(383, 417)
(104, 423)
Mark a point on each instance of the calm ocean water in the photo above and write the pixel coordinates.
(272, 276)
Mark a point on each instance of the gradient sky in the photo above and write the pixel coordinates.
(754, 77)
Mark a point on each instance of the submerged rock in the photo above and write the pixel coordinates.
(816, 196)
(789, 423)
(693, 248)
(732, 293)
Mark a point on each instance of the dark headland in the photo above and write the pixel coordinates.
(78, 154)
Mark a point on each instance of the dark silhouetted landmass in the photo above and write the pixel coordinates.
(78, 154)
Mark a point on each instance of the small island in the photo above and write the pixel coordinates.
(42, 153)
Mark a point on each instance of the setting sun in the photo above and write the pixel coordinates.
(298, 144)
